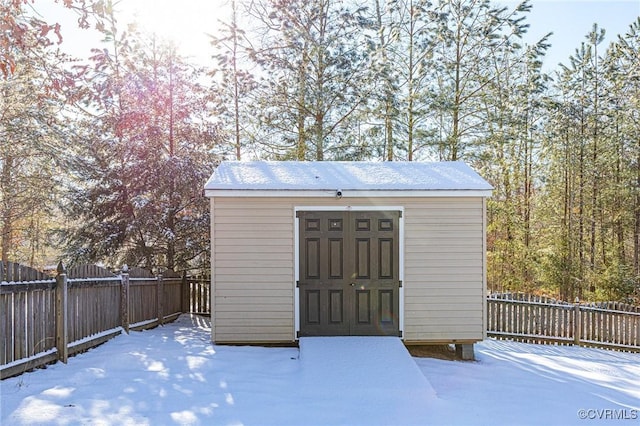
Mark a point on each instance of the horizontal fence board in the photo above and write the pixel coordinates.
(27, 286)
(27, 364)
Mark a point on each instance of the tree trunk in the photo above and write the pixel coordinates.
(236, 82)
(636, 228)
(568, 247)
(301, 147)
(7, 219)
(320, 82)
(410, 86)
(388, 94)
(594, 166)
(455, 134)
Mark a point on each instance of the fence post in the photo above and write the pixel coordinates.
(62, 334)
(184, 294)
(124, 299)
(577, 323)
(160, 297)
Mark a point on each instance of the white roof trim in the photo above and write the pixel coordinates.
(346, 193)
(337, 208)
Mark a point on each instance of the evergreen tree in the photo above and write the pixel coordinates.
(142, 160)
(588, 171)
(470, 35)
(514, 113)
(623, 107)
(383, 115)
(314, 68)
(233, 84)
(33, 133)
(413, 55)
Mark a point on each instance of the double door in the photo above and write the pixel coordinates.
(349, 273)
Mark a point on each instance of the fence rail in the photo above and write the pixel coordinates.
(536, 319)
(43, 319)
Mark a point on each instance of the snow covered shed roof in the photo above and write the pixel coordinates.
(350, 178)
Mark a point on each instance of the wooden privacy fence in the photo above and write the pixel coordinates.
(44, 319)
(537, 319)
(199, 294)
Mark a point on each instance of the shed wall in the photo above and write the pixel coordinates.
(253, 267)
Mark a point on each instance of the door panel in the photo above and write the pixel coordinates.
(385, 258)
(363, 258)
(312, 299)
(336, 258)
(377, 235)
(363, 307)
(336, 306)
(349, 282)
(312, 270)
(322, 281)
(386, 306)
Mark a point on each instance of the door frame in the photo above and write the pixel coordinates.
(296, 255)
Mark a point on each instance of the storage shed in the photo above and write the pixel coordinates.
(347, 248)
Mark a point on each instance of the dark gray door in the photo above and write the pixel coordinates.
(349, 273)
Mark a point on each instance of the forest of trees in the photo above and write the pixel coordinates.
(104, 159)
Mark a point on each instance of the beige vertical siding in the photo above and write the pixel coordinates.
(253, 270)
(253, 267)
(444, 270)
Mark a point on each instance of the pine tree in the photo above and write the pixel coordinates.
(514, 112)
(136, 197)
(32, 142)
(412, 54)
(233, 84)
(470, 34)
(313, 67)
(623, 104)
(383, 115)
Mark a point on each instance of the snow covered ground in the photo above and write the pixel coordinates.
(173, 375)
